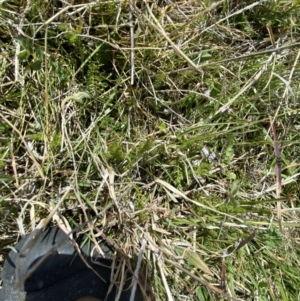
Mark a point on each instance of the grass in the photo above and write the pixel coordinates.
(183, 157)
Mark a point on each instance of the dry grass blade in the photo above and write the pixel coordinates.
(278, 173)
(194, 259)
(36, 164)
(249, 84)
(238, 12)
(41, 226)
(161, 30)
(182, 195)
(164, 280)
(211, 287)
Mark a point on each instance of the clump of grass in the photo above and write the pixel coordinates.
(183, 158)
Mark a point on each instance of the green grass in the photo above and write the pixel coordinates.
(189, 145)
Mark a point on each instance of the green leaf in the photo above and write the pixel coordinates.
(195, 260)
(23, 55)
(36, 65)
(6, 178)
(230, 175)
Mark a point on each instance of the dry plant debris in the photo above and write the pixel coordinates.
(152, 125)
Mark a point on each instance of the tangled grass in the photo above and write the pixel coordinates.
(155, 123)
